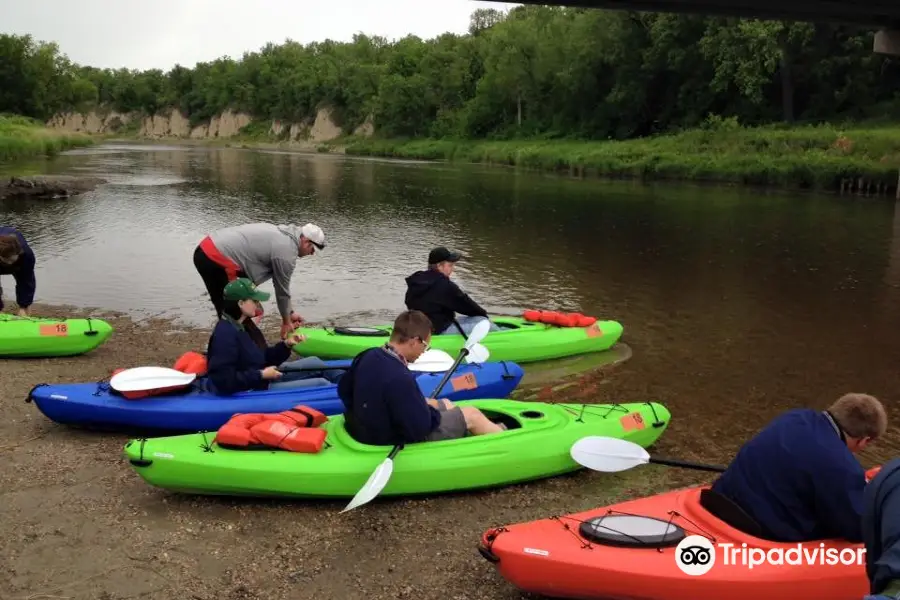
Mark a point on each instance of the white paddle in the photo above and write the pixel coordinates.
(148, 378)
(611, 455)
(151, 378)
(382, 474)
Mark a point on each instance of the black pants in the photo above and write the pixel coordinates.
(215, 279)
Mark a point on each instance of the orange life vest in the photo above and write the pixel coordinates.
(296, 430)
(560, 319)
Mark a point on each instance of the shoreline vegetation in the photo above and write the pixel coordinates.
(856, 158)
(661, 97)
(23, 137)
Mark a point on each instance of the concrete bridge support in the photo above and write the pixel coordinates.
(887, 41)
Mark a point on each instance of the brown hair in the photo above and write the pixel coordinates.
(411, 324)
(860, 415)
(10, 249)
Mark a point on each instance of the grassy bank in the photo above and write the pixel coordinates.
(21, 137)
(826, 157)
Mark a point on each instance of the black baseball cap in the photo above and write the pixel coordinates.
(441, 254)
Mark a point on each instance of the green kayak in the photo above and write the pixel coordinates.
(34, 336)
(535, 445)
(522, 341)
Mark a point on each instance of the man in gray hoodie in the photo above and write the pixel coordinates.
(259, 252)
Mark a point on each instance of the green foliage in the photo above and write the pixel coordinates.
(23, 136)
(533, 72)
(817, 157)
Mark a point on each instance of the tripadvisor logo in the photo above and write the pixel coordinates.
(696, 555)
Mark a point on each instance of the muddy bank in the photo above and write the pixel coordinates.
(79, 524)
(47, 186)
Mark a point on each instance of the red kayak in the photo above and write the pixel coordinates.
(628, 551)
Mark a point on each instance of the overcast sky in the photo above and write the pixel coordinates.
(161, 33)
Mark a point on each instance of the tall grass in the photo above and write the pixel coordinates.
(22, 137)
(824, 157)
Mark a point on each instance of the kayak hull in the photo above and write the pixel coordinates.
(521, 341)
(535, 446)
(92, 405)
(30, 337)
(552, 557)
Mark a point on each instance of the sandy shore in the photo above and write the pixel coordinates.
(79, 524)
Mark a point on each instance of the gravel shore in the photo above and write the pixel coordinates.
(79, 524)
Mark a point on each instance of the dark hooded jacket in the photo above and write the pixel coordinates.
(434, 294)
(22, 271)
(881, 527)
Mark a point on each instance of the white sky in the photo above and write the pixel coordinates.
(159, 34)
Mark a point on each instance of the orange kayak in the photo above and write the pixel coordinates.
(632, 555)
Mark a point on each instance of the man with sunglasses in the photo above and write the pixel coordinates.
(17, 259)
(259, 252)
(383, 404)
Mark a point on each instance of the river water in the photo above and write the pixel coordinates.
(735, 303)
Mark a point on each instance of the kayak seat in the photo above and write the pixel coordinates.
(723, 508)
(504, 419)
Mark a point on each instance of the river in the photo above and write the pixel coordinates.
(736, 303)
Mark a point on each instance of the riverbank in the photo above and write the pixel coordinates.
(21, 137)
(143, 542)
(858, 158)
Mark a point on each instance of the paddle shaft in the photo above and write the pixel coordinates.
(687, 465)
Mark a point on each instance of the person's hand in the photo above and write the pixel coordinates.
(287, 329)
(22, 312)
(270, 373)
(294, 338)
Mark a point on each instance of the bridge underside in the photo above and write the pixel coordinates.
(874, 13)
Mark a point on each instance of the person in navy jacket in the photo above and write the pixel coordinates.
(881, 532)
(17, 259)
(798, 478)
(383, 404)
(238, 363)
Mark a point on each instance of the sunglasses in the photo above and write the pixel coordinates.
(424, 343)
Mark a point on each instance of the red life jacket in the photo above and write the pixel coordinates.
(296, 430)
(558, 318)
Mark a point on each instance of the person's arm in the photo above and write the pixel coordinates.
(277, 354)
(839, 500)
(223, 367)
(460, 302)
(409, 412)
(282, 270)
(24, 276)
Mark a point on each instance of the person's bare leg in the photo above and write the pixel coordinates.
(477, 423)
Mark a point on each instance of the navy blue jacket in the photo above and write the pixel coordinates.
(22, 270)
(798, 479)
(881, 527)
(234, 362)
(383, 404)
(440, 298)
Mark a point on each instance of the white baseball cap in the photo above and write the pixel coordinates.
(314, 234)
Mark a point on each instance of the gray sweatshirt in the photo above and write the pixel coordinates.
(263, 251)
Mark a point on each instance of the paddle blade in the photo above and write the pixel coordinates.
(477, 354)
(607, 454)
(149, 378)
(432, 361)
(479, 332)
(377, 480)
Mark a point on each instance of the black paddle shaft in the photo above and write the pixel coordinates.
(687, 465)
(462, 354)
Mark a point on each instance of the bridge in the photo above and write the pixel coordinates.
(883, 15)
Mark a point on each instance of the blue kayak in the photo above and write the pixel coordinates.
(93, 405)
